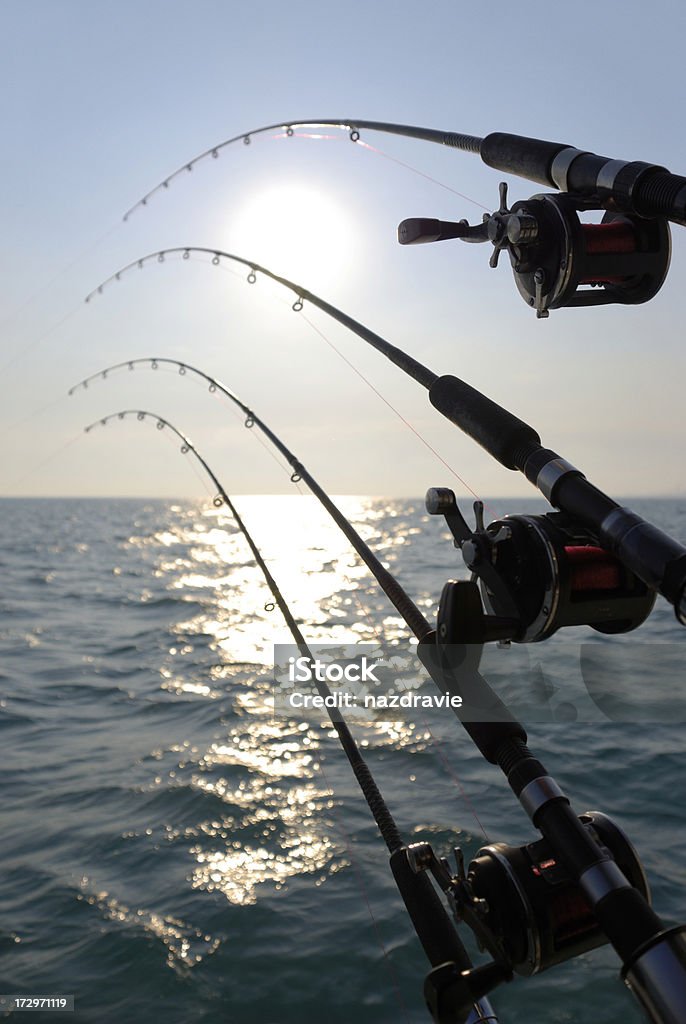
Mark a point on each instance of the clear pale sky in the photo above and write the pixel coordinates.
(101, 100)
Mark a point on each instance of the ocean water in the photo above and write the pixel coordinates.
(173, 852)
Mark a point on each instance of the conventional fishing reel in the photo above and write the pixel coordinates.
(556, 259)
(537, 573)
(524, 909)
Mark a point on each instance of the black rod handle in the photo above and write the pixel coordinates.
(644, 188)
(517, 154)
(498, 431)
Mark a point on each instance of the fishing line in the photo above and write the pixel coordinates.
(163, 366)
(397, 412)
(422, 174)
(260, 440)
(43, 288)
(379, 152)
(201, 477)
(45, 461)
(33, 415)
(41, 337)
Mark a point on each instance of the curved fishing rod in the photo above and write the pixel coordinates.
(406, 363)
(438, 937)
(396, 594)
(647, 189)
(468, 143)
(655, 558)
(222, 498)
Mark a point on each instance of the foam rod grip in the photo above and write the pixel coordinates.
(515, 154)
(491, 426)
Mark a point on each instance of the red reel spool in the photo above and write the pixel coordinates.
(623, 259)
(570, 579)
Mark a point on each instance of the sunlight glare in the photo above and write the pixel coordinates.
(296, 230)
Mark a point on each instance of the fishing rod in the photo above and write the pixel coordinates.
(434, 929)
(467, 142)
(649, 556)
(587, 860)
(649, 189)
(406, 363)
(557, 259)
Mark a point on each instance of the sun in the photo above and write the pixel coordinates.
(296, 230)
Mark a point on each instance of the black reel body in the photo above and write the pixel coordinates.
(537, 913)
(524, 908)
(557, 575)
(537, 573)
(558, 260)
(623, 259)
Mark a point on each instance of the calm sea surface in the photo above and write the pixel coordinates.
(173, 853)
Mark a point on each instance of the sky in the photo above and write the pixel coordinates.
(101, 101)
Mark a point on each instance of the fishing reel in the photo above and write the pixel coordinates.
(556, 259)
(523, 907)
(537, 573)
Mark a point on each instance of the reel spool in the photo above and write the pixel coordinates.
(538, 915)
(537, 573)
(558, 576)
(524, 909)
(624, 259)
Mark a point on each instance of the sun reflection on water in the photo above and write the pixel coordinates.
(186, 946)
(274, 824)
(321, 578)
